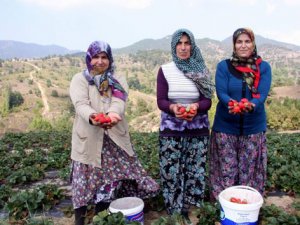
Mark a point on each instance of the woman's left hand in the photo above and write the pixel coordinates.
(115, 118)
(193, 111)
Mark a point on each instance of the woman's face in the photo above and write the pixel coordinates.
(100, 63)
(183, 47)
(243, 46)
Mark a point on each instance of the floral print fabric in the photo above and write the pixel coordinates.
(168, 121)
(182, 167)
(237, 160)
(119, 176)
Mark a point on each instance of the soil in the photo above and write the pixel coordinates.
(281, 200)
(287, 91)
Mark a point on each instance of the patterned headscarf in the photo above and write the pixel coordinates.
(105, 80)
(250, 66)
(194, 67)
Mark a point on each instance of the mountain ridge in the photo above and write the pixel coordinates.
(10, 49)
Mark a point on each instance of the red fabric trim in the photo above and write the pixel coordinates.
(256, 75)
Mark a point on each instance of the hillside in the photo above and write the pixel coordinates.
(44, 83)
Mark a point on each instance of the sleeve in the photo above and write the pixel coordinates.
(264, 84)
(162, 88)
(79, 94)
(222, 83)
(204, 104)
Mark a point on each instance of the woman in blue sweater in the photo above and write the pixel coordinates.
(238, 150)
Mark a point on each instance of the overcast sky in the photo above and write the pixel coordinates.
(74, 24)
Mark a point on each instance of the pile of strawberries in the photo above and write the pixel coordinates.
(239, 107)
(101, 118)
(238, 200)
(186, 111)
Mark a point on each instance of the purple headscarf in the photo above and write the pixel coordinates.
(106, 80)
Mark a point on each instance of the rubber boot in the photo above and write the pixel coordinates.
(100, 206)
(80, 214)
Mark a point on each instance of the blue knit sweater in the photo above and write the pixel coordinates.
(229, 85)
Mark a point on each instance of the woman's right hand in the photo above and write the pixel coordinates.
(114, 117)
(175, 109)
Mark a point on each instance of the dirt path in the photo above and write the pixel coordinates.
(41, 89)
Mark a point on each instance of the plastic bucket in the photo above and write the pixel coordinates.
(240, 214)
(131, 207)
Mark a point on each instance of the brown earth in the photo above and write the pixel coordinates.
(287, 91)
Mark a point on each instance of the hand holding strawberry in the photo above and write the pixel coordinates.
(188, 112)
(236, 107)
(101, 119)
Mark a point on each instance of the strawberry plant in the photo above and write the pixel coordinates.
(105, 218)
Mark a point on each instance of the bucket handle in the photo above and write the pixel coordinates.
(245, 187)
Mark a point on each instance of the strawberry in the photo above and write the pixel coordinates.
(244, 100)
(102, 118)
(242, 106)
(182, 109)
(238, 200)
(236, 109)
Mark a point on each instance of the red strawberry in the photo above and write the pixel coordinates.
(244, 100)
(230, 103)
(182, 109)
(236, 109)
(242, 106)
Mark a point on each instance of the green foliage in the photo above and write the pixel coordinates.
(51, 150)
(10, 99)
(30, 81)
(15, 99)
(283, 169)
(23, 203)
(272, 215)
(5, 106)
(146, 146)
(209, 213)
(283, 114)
(174, 219)
(105, 218)
(5, 193)
(26, 175)
(49, 83)
(54, 93)
(39, 123)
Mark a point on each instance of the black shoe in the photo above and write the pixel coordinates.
(101, 206)
(80, 214)
(186, 218)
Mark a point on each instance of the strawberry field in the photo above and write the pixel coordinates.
(28, 158)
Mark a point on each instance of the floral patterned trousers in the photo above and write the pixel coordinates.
(182, 168)
(237, 160)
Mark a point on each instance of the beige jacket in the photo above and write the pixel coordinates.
(87, 139)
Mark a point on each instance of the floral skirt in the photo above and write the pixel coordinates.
(182, 168)
(120, 175)
(237, 160)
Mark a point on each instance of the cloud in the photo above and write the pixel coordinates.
(243, 2)
(292, 37)
(68, 4)
(271, 7)
(292, 2)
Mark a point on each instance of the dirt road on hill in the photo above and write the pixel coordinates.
(40, 87)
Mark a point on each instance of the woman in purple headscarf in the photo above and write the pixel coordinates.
(104, 164)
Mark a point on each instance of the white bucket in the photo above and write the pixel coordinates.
(131, 207)
(240, 214)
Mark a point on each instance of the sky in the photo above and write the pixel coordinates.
(74, 24)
